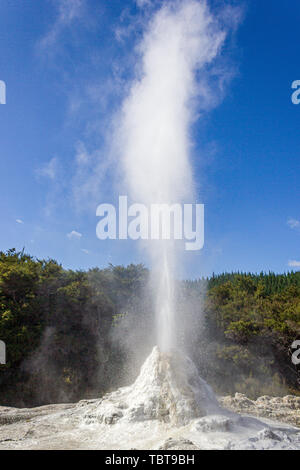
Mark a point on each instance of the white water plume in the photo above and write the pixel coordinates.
(165, 306)
(179, 43)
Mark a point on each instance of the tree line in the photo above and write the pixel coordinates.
(79, 334)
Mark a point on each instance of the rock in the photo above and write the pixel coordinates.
(178, 444)
(268, 434)
(285, 409)
(213, 424)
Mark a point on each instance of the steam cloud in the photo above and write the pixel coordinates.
(179, 45)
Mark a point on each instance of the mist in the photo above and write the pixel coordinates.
(171, 87)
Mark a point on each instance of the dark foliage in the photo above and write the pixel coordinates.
(72, 335)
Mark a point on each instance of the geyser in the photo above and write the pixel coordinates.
(181, 39)
(169, 406)
(168, 389)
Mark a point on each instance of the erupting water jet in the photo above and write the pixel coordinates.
(181, 40)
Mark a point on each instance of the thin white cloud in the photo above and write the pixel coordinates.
(49, 170)
(88, 182)
(293, 223)
(19, 221)
(82, 156)
(294, 264)
(143, 3)
(85, 251)
(54, 172)
(68, 11)
(74, 235)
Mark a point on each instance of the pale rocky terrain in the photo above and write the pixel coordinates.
(285, 409)
(168, 407)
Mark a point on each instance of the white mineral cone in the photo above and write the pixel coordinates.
(168, 389)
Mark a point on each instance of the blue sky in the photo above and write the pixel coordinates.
(67, 66)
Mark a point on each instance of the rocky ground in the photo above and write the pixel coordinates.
(168, 407)
(285, 409)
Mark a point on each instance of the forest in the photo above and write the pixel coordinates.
(72, 335)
